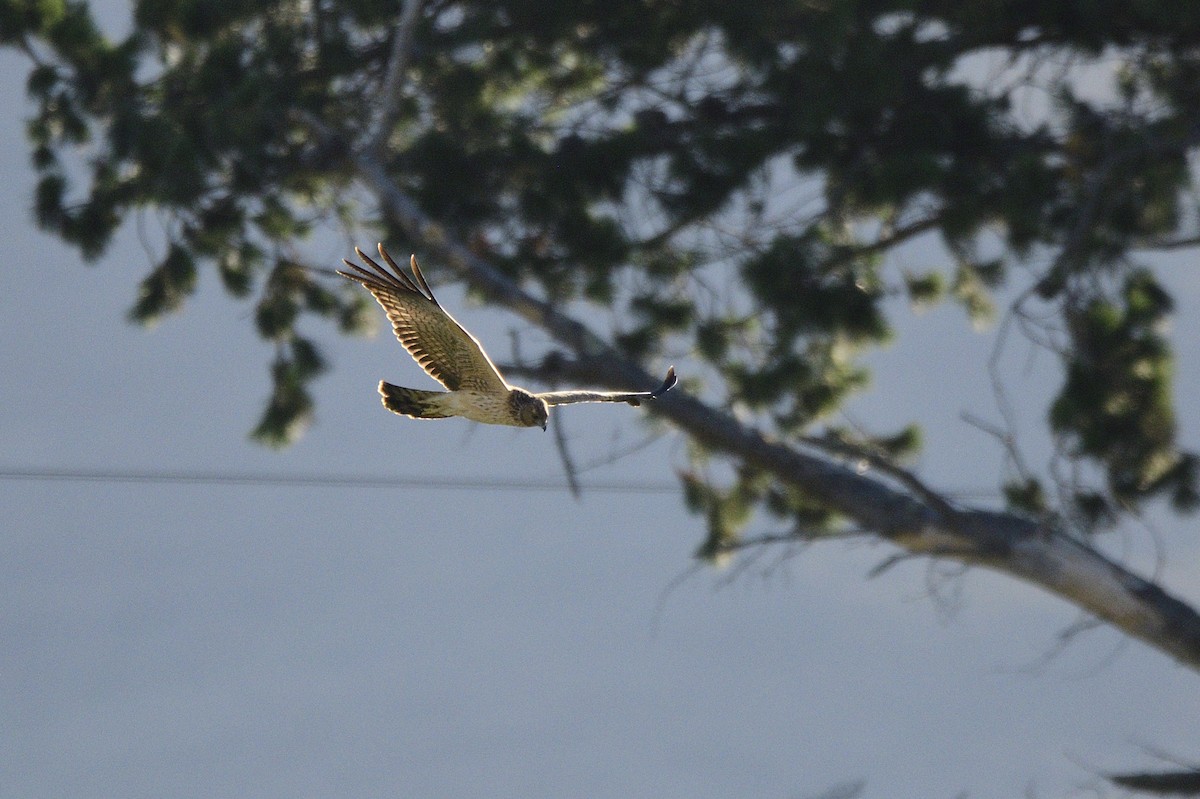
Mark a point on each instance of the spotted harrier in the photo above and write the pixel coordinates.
(453, 357)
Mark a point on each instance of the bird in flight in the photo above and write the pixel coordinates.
(453, 357)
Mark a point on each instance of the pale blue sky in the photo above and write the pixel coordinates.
(251, 641)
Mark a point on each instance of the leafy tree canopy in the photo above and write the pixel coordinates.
(728, 178)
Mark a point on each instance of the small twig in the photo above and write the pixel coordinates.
(765, 539)
(616, 454)
(1084, 622)
(660, 606)
(1000, 394)
(27, 47)
(964, 553)
(888, 239)
(889, 562)
(1168, 757)
(564, 455)
(1006, 439)
(797, 535)
(560, 432)
(738, 567)
(839, 446)
(514, 345)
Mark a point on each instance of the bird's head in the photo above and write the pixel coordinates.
(532, 411)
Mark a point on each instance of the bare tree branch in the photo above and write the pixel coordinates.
(839, 446)
(889, 238)
(564, 454)
(397, 63)
(1016, 545)
(1169, 244)
(1178, 783)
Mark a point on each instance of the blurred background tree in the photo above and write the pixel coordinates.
(719, 186)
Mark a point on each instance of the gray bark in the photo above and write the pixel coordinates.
(1021, 547)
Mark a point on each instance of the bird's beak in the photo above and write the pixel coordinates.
(543, 427)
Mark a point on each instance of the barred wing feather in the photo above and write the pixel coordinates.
(443, 348)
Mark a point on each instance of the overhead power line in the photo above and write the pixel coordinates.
(435, 482)
(324, 480)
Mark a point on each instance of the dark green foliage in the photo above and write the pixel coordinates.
(165, 288)
(970, 288)
(237, 266)
(1093, 511)
(726, 510)
(808, 290)
(1116, 405)
(289, 410)
(924, 290)
(1026, 495)
(898, 447)
(720, 180)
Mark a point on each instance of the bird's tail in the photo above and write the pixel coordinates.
(413, 402)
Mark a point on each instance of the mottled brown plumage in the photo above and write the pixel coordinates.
(453, 357)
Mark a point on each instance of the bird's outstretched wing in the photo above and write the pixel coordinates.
(632, 397)
(439, 344)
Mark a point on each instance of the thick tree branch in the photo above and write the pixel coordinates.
(1005, 542)
(389, 90)
(1177, 783)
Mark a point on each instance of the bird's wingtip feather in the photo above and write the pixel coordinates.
(420, 276)
(667, 384)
